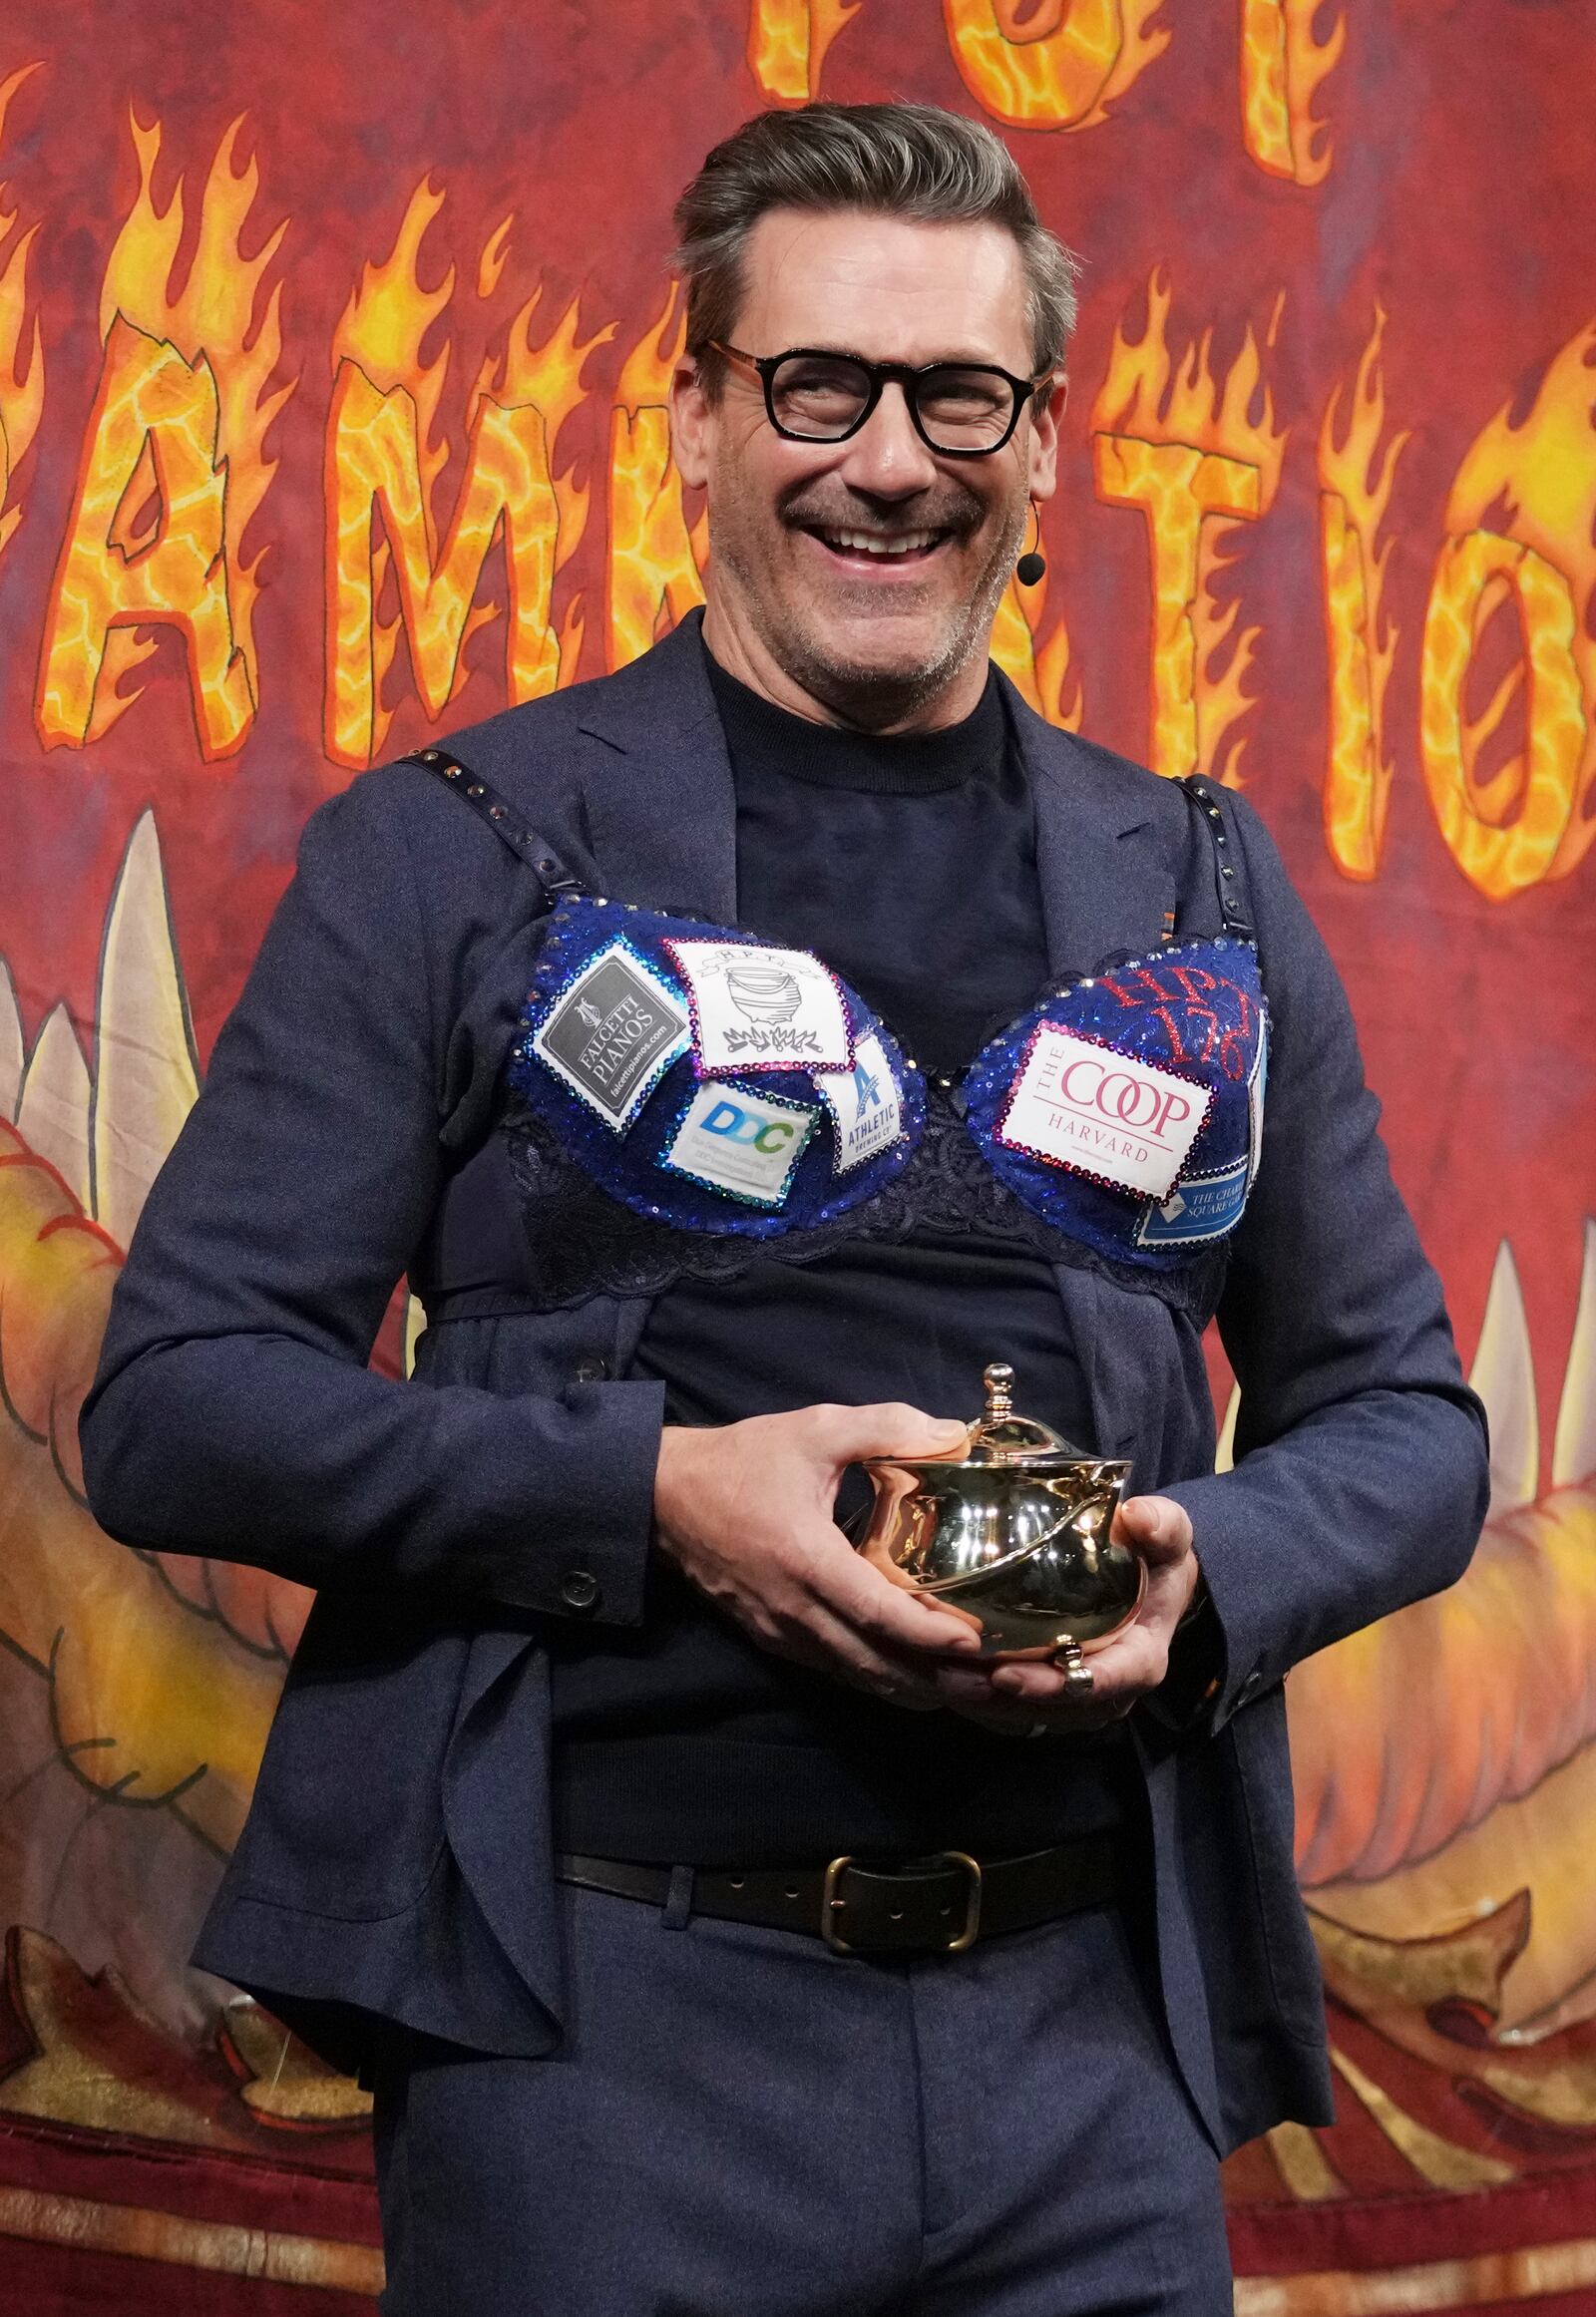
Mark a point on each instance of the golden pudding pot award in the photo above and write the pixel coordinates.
(1010, 1529)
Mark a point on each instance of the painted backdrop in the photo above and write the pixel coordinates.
(333, 345)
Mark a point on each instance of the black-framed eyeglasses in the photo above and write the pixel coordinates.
(960, 410)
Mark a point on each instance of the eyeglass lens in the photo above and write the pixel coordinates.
(821, 396)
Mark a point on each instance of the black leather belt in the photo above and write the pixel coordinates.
(944, 1902)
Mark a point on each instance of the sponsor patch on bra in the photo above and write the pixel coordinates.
(1101, 1113)
(865, 1102)
(759, 1008)
(613, 1034)
(1202, 1207)
(742, 1143)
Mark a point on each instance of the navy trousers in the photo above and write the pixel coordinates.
(745, 2125)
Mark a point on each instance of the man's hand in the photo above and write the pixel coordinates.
(1020, 1696)
(745, 1511)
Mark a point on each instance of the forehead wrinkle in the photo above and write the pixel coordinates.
(856, 298)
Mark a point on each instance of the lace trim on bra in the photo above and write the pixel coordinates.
(581, 1242)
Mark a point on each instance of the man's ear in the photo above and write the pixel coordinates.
(691, 422)
(1044, 458)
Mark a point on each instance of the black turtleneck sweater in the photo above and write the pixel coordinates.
(910, 866)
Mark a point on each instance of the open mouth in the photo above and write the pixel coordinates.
(878, 550)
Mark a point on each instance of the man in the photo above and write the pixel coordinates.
(598, 1716)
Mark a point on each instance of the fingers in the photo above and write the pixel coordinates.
(971, 1692)
(1130, 1666)
(885, 1428)
(1124, 1671)
(840, 1650)
(872, 1605)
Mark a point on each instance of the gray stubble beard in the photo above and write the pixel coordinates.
(863, 695)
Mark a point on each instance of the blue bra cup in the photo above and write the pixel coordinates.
(717, 1083)
(1128, 1107)
(707, 1080)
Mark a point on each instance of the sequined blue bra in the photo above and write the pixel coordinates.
(686, 1098)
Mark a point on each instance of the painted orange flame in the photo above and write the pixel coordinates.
(1522, 525)
(1281, 66)
(1355, 479)
(1062, 68)
(787, 44)
(1191, 456)
(21, 383)
(491, 265)
(385, 450)
(654, 560)
(1041, 672)
(179, 423)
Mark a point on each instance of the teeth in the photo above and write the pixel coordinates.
(874, 543)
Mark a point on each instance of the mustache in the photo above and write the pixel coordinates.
(961, 513)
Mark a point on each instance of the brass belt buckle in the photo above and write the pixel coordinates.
(831, 1904)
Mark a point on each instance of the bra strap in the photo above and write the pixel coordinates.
(1230, 875)
(528, 848)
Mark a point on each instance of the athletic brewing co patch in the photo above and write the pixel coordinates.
(759, 1008)
(613, 1034)
(863, 1102)
(742, 1143)
(1122, 1122)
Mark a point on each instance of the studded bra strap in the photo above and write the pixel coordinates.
(528, 848)
(532, 852)
(1230, 875)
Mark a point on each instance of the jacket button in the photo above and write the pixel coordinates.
(591, 1370)
(579, 1589)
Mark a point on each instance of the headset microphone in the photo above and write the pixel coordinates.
(1032, 565)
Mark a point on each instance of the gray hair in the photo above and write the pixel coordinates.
(907, 161)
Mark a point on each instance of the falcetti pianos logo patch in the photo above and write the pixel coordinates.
(613, 1034)
(1104, 1114)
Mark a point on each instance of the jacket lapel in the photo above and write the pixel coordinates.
(1104, 886)
(661, 809)
(660, 806)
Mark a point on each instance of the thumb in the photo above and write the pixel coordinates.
(1155, 1526)
(889, 1428)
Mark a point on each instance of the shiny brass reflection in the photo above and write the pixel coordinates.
(1012, 1533)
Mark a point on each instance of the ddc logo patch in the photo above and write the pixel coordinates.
(742, 1143)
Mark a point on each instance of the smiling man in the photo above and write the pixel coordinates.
(857, 580)
(739, 1054)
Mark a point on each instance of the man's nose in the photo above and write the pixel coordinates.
(887, 457)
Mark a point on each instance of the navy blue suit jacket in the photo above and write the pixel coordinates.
(396, 1858)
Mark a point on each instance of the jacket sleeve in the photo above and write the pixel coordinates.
(232, 1414)
(1361, 1475)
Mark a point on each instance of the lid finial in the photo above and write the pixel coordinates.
(999, 1383)
(1002, 1437)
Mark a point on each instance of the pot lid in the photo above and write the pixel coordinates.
(1003, 1437)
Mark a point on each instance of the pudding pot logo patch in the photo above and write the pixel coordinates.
(759, 1008)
